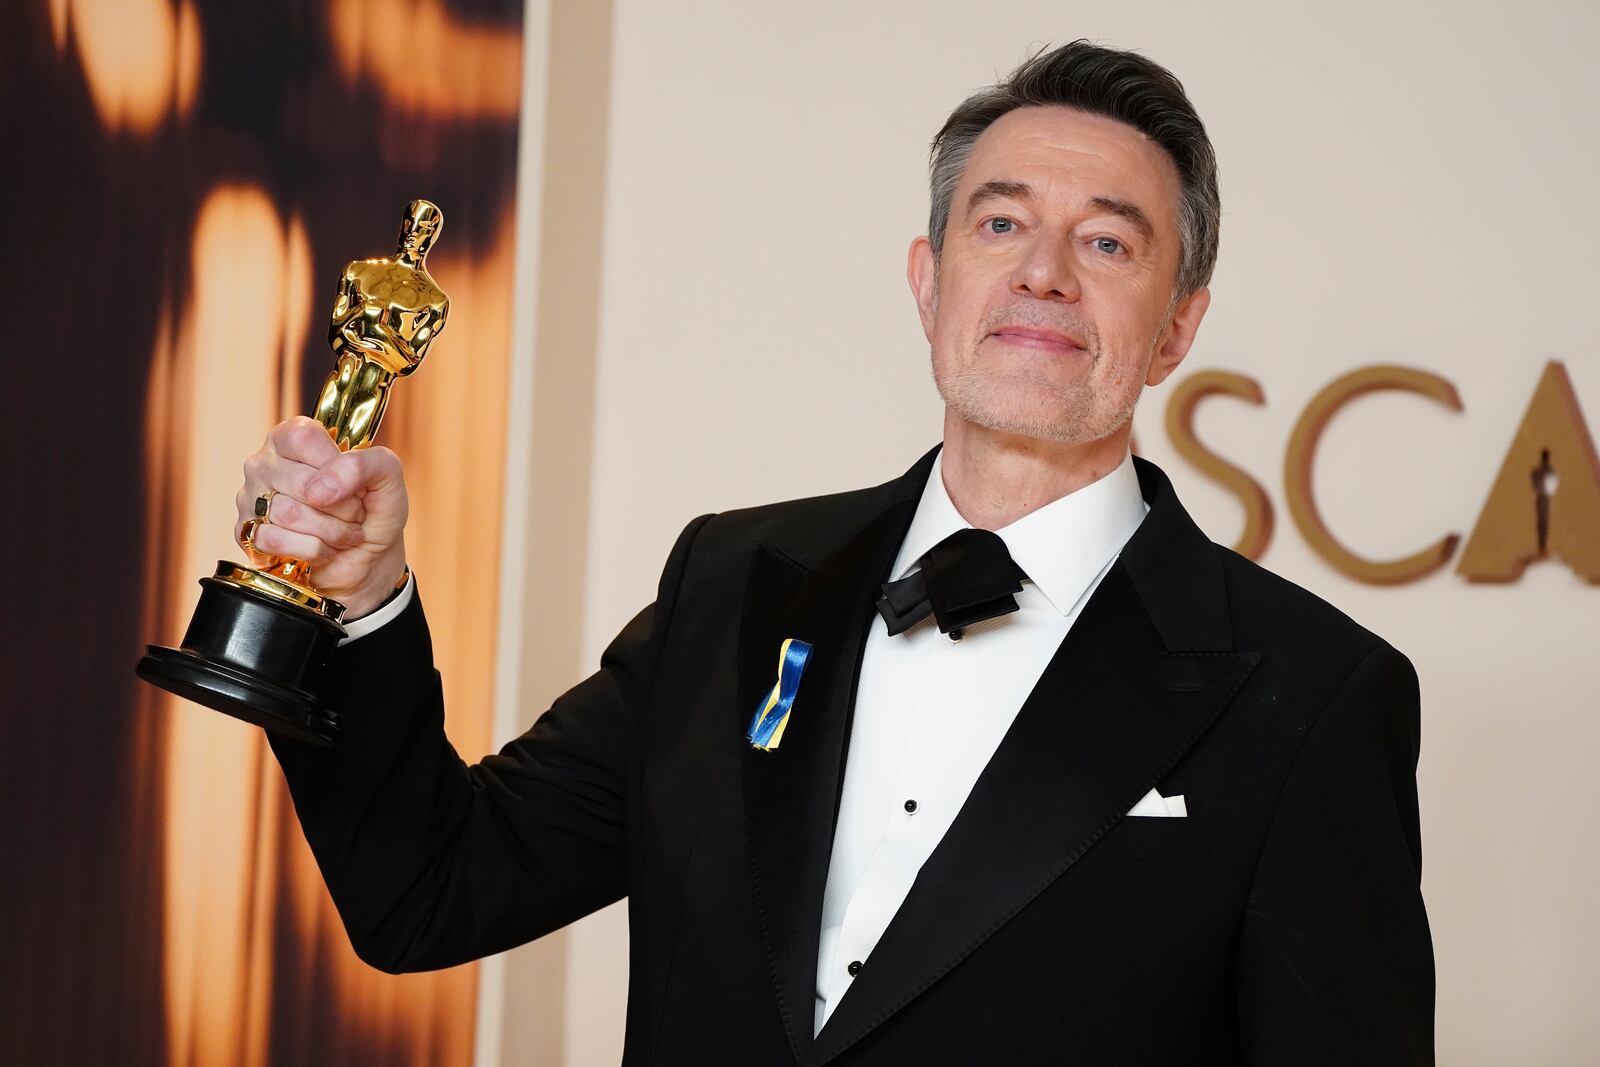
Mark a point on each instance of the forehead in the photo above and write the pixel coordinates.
(1066, 154)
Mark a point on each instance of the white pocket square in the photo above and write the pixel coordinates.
(1155, 805)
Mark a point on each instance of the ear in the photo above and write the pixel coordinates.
(920, 267)
(1180, 335)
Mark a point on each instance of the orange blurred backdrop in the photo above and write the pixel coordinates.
(187, 180)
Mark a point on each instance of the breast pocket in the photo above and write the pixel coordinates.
(1142, 837)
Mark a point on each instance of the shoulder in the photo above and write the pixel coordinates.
(800, 528)
(803, 531)
(713, 555)
(1199, 591)
(431, 292)
(1268, 608)
(1296, 627)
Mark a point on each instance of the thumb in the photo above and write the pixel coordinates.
(359, 472)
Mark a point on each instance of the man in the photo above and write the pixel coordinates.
(1093, 789)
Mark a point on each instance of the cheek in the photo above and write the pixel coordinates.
(1127, 330)
(1121, 363)
(958, 316)
(946, 329)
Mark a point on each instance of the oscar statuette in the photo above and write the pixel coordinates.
(259, 636)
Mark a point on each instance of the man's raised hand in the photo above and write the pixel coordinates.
(342, 512)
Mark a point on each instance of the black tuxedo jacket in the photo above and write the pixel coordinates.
(1280, 922)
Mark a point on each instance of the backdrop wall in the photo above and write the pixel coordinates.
(184, 181)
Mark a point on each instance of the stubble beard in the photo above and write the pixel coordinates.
(1072, 412)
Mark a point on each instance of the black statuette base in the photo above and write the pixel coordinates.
(252, 657)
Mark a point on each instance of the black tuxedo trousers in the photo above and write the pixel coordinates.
(1280, 922)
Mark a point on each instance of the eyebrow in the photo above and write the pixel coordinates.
(998, 189)
(1008, 189)
(1125, 209)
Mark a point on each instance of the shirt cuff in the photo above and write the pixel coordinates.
(387, 613)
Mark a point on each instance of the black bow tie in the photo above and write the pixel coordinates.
(966, 578)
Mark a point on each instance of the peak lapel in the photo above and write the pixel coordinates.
(791, 793)
(1117, 707)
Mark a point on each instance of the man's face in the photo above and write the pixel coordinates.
(1050, 308)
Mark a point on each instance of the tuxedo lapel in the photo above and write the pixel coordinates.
(791, 793)
(1117, 707)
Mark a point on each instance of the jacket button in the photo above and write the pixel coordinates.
(911, 806)
(854, 968)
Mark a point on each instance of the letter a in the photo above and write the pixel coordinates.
(1525, 519)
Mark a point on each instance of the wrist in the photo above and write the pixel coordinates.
(384, 583)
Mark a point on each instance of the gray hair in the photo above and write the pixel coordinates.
(1101, 81)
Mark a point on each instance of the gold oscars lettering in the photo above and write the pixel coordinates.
(259, 635)
(1544, 505)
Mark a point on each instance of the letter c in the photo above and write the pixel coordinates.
(1302, 453)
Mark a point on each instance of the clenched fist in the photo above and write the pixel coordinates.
(342, 512)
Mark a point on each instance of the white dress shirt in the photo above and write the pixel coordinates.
(930, 712)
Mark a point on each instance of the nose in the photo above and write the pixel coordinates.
(1046, 270)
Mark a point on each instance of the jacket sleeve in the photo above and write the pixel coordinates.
(1335, 960)
(431, 862)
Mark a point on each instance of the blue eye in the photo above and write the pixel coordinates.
(1102, 242)
(1000, 225)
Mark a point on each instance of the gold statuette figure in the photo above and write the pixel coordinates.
(387, 313)
(260, 635)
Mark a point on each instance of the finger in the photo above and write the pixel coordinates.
(287, 513)
(304, 440)
(264, 471)
(274, 540)
(351, 473)
(246, 538)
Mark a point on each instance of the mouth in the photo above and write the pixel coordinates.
(1039, 339)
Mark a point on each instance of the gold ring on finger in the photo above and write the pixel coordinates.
(264, 506)
(247, 534)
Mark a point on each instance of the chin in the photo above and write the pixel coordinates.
(1023, 420)
(1068, 420)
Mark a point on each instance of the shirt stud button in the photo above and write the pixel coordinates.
(854, 968)
(911, 807)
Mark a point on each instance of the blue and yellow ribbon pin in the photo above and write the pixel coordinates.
(766, 729)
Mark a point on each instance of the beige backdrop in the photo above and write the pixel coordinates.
(715, 315)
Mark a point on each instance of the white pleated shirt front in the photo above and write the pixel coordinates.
(930, 712)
